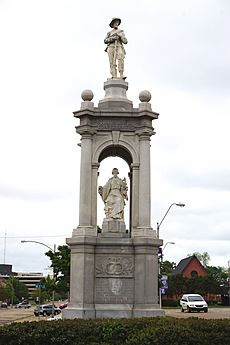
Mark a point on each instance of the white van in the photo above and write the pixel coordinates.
(193, 302)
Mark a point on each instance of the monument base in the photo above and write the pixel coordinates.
(113, 276)
(111, 311)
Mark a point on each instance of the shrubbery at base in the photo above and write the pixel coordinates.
(143, 331)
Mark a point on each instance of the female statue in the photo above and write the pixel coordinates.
(114, 194)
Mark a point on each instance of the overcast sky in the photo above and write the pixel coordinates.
(51, 50)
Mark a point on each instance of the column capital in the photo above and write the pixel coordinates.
(86, 135)
(145, 133)
(85, 131)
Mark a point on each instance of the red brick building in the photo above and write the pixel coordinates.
(189, 267)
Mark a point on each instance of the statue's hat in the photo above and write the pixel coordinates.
(113, 20)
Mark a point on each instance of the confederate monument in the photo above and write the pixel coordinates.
(114, 273)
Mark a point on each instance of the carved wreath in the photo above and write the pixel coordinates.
(114, 266)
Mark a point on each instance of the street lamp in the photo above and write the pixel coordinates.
(166, 245)
(43, 244)
(53, 251)
(161, 261)
(159, 224)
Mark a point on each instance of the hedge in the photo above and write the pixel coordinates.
(144, 331)
(170, 303)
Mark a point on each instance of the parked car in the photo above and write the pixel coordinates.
(46, 310)
(3, 305)
(23, 304)
(63, 305)
(193, 302)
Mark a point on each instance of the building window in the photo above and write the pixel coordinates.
(194, 274)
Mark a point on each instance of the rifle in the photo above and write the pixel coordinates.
(115, 54)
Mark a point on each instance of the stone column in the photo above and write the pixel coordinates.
(85, 202)
(135, 195)
(144, 182)
(95, 167)
(85, 181)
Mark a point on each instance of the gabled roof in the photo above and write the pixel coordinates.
(183, 264)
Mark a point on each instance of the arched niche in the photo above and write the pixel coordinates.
(104, 173)
(116, 151)
(120, 152)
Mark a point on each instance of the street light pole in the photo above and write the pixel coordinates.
(53, 250)
(161, 261)
(229, 282)
(159, 224)
(158, 233)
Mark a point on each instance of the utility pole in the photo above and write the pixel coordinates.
(4, 253)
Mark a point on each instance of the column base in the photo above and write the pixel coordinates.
(84, 231)
(78, 312)
(144, 232)
(147, 311)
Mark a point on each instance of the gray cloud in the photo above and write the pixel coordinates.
(205, 178)
(26, 194)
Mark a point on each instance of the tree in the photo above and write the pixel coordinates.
(167, 267)
(4, 294)
(49, 287)
(61, 266)
(177, 285)
(40, 295)
(219, 274)
(18, 290)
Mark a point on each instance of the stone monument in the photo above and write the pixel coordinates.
(114, 273)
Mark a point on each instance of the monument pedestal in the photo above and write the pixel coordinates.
(113, 277)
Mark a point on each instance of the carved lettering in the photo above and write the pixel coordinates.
(116, 124)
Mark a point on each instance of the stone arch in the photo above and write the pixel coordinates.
(122, 149)
(116, 151)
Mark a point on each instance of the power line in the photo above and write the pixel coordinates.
(33, 236)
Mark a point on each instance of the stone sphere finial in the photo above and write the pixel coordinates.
(87, 95)
(145, 96)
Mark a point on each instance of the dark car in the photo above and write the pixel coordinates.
(46, 310)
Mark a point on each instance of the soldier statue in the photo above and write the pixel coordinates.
(115, 49)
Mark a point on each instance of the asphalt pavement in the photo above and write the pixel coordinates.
(10, 315)
(213, 313)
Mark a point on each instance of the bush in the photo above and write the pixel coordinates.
(144, 331)
(169, 303)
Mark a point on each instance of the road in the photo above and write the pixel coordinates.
(213, 313)
(10, 315)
